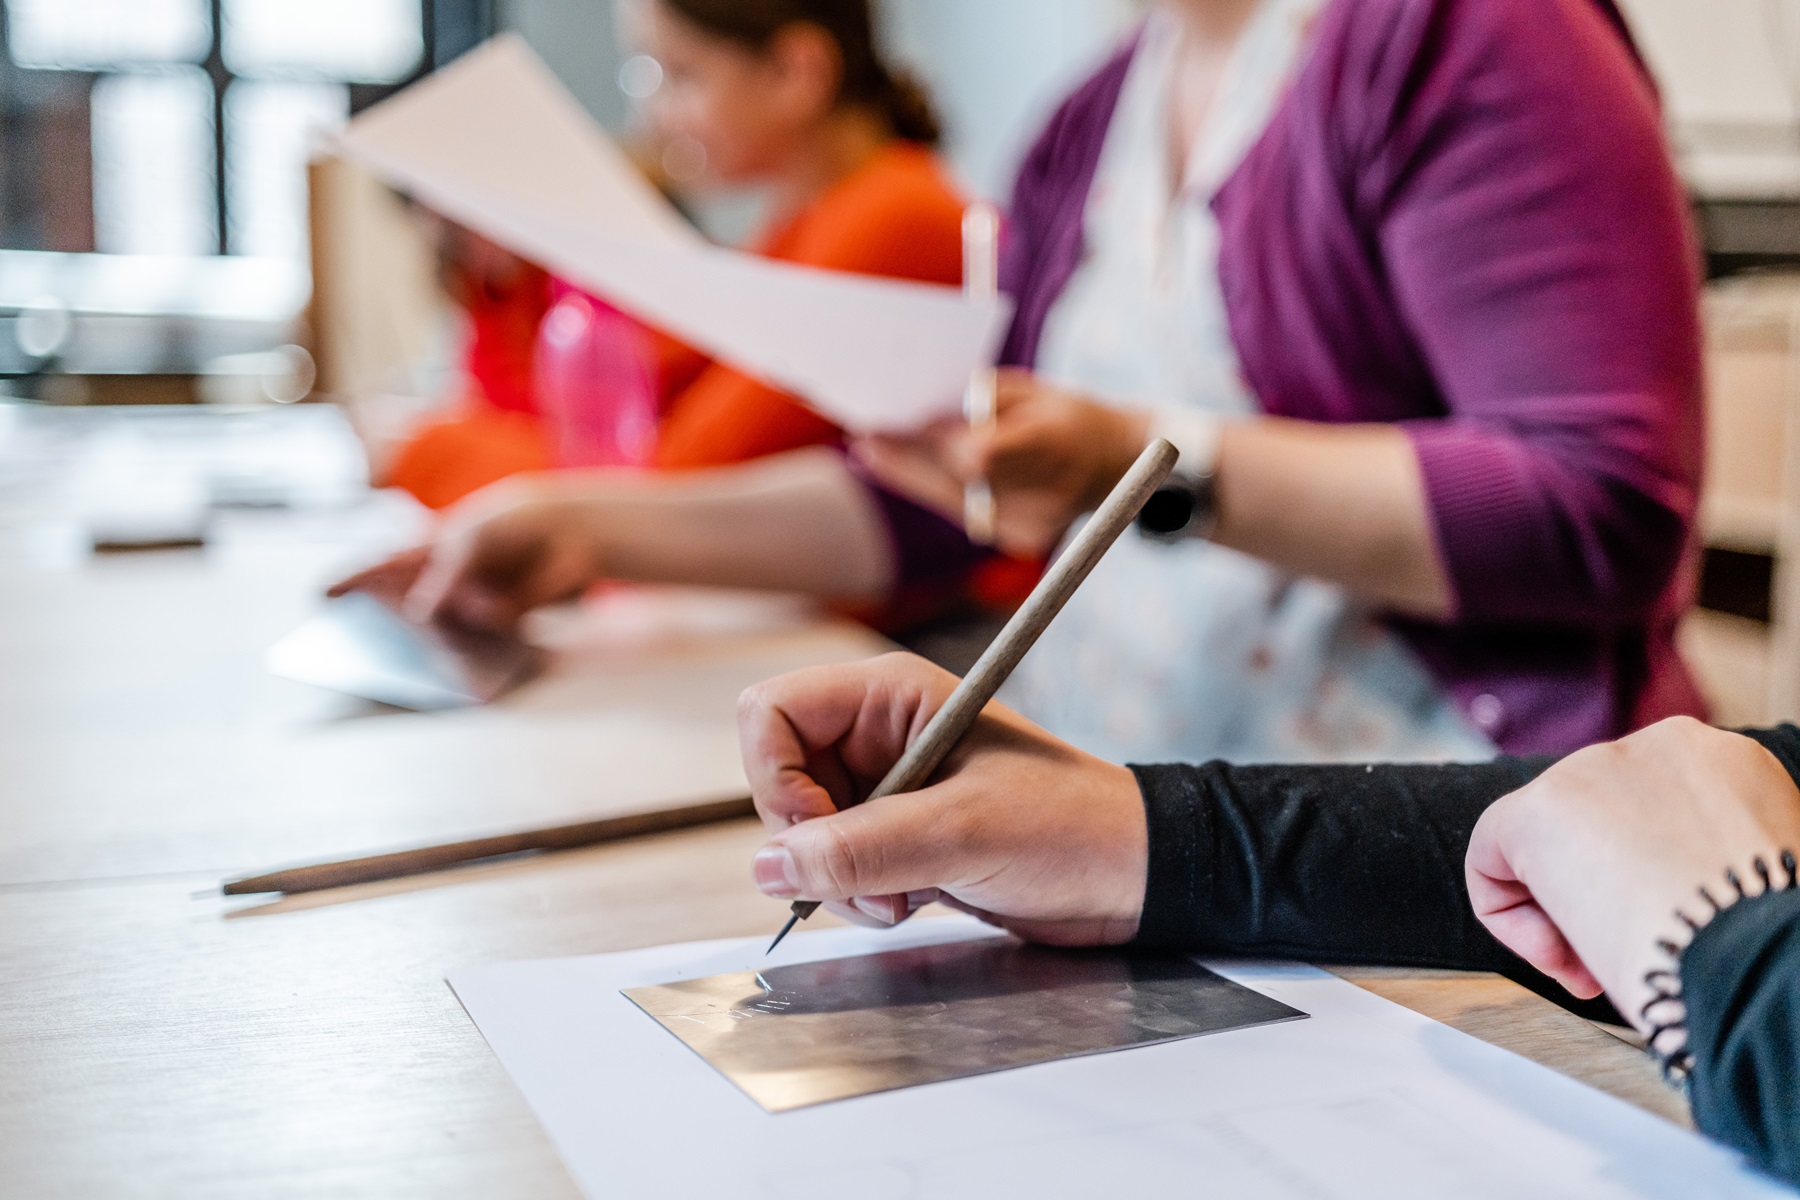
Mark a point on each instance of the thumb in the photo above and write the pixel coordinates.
(1013, 386)
(910, 466)
(886, 847)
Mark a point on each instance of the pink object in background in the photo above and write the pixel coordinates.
(595, 382)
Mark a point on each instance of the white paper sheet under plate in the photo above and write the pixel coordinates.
(1363, 1099)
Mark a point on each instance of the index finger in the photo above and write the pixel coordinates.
(817, 741)
(389, 579)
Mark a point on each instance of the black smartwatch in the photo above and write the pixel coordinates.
(1184, 507)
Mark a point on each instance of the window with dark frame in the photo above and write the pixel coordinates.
(182, 126)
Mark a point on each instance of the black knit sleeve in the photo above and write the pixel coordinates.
(1352, 864)
(1365, 865)
(1784, 743)
(1741, 982)
(1346, 864)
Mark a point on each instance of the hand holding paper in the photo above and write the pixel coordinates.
(1051, 455)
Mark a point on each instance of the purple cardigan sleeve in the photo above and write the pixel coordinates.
(929, 551)
(1538, 246)
(1044, 226)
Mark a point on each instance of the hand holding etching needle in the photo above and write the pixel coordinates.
(981, 281)
(951, 722)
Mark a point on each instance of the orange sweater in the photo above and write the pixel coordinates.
(897, 215)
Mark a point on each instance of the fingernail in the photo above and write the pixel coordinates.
(774, 872)
(879, 908)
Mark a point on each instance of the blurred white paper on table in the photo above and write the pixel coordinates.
(495, 144)
(1364, 1100)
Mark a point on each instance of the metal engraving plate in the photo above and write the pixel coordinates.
(795, 1036)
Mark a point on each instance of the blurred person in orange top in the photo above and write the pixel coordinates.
(790, 96)
(494, 430)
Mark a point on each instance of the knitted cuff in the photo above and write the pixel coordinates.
(1665, 1014)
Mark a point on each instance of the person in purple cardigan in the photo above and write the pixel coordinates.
(1412, 286)
(1459, 280)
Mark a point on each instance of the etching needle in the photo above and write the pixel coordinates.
(960, 711)
(792, 921)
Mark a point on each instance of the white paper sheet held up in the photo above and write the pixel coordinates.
(1366, 1099)
(499, 119)
(495, 144)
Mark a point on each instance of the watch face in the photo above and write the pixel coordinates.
(1168, 511)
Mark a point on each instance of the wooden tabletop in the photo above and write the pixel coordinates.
(158, 1040)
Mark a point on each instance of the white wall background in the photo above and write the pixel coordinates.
(994, 66)
(578, 39)
(1720, 61)
(1730, 73)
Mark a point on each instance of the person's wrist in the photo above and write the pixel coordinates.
(1132, 847)
(1186, 505)
(1173, 808)
(1197, 436)
(599, 526)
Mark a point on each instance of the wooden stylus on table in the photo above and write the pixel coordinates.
(960, 711)
(425, 859)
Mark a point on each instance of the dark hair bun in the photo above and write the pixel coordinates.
(908, 108)
(868, 79)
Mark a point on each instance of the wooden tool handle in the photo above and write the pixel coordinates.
(953, 721)
(425, 859)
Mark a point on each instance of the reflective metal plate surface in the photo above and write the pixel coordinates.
(800, 1035)
(360, 646)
